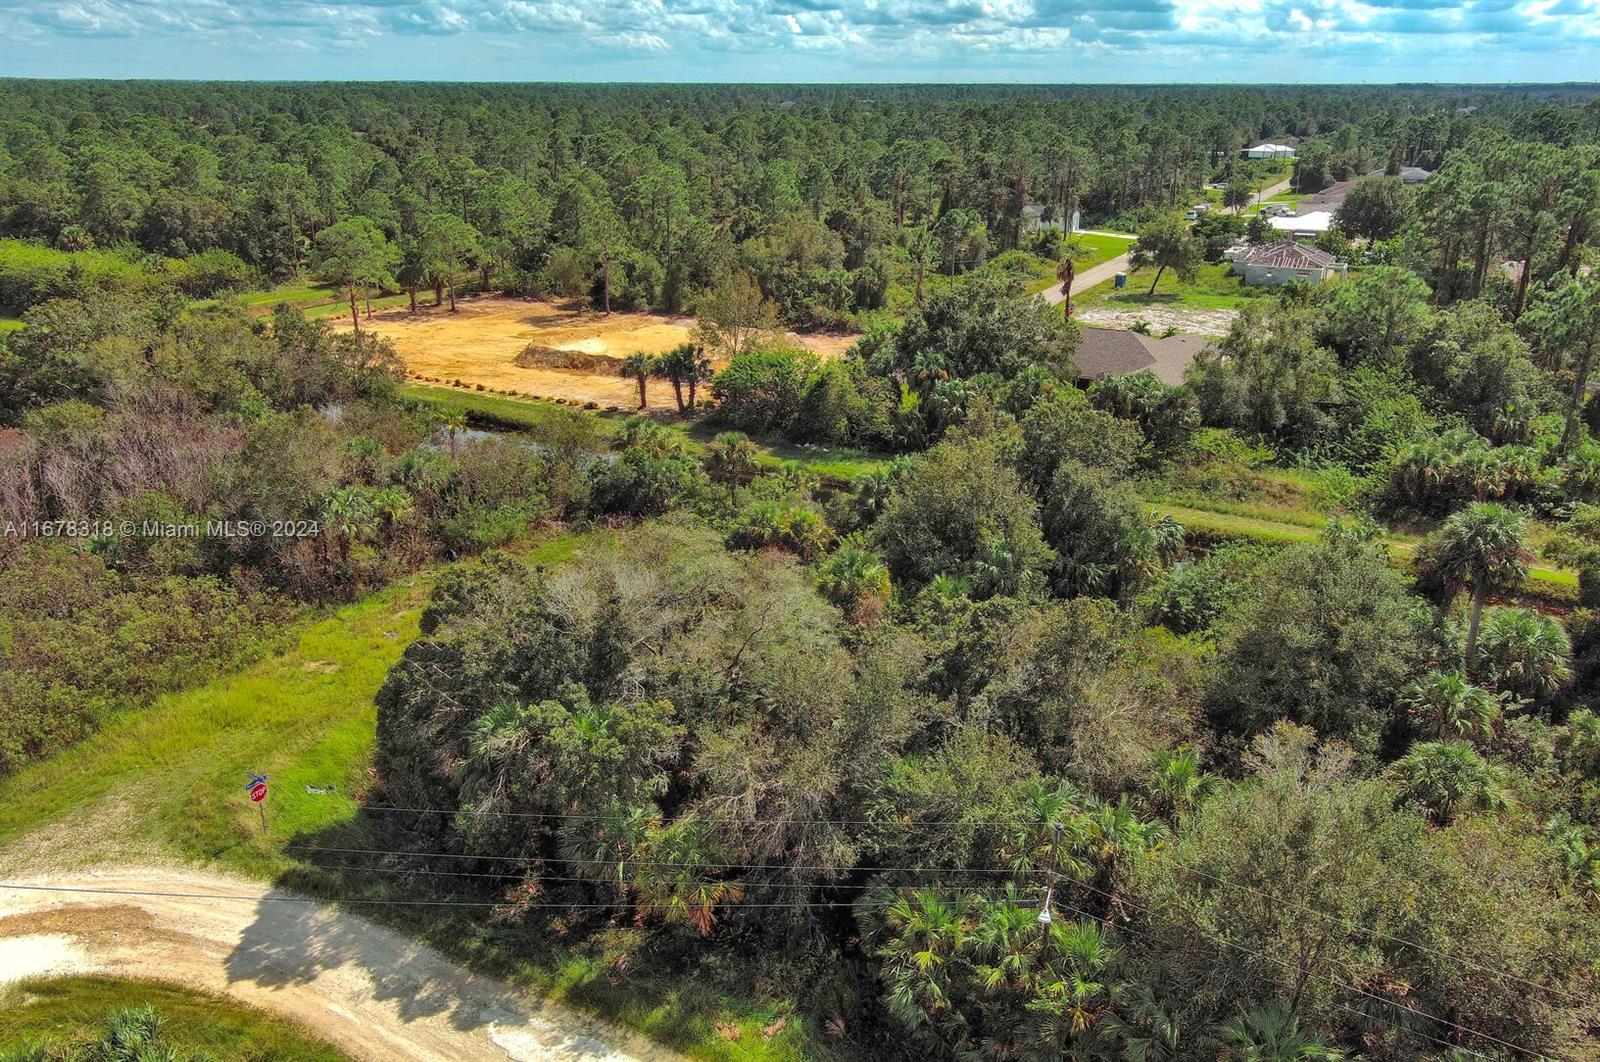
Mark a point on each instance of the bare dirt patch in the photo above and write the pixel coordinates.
(370, 991)
(1161, 318)
(481, 344)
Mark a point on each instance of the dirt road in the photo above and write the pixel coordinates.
(367, 990)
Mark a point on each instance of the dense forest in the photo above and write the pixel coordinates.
(976, 755)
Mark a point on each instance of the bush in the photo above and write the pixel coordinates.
(762, 391)
(794, 529)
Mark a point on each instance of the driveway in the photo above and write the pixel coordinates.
(370, 991)
(1088, 278)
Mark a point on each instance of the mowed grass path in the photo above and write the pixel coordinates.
(169, 778)
(61, 1009)
(1545, 581)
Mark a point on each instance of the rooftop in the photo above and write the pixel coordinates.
(1288, 255)
(1315, 221)
(1115, 351)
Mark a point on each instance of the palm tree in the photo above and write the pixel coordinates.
(680, 885)
(1478, 549)
(1273, 1035)
(602, 847)
(857, 582)
(1524, 653)
(1443, 704)
(686, 365)
(731, 461)
(1146, 1027)
(1066, 272)
(451, 420)
(1177, 782)
(1446, 776)
(637, 366)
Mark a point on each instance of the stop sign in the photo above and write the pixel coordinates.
(258, 792)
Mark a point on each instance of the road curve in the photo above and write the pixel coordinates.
(370, 991)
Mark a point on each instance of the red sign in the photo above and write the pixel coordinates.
(258, 792)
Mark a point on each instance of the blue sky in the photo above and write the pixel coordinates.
(808, 40)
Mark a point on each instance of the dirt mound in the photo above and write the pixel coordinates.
(539, 356)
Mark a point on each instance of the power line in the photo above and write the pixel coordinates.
(1553, 990)
(385, 902)
(1080, 884)
(665, 863)
(730, 819)
(1350, 924)
(1286, 965)
(1124, 928)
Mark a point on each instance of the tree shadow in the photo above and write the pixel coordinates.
(349, 948)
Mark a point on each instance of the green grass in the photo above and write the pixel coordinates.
(295, 293)
(1213, 288)
(319, 299)
(9, 324)
(342, 308)
(171, 775)
(527, 414)
(61, 1009)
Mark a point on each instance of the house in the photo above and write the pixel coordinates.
(1269, 151)
(1414, 174)
(1033, 218)
(1288, 262)
(1304, 226)
(1330, 198)
(1116, 352)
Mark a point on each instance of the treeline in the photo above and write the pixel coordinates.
(647, 197)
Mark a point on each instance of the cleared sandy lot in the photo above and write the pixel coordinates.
(480, 342)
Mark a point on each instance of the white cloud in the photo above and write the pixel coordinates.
(770, 38)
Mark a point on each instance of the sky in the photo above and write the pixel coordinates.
(1073, 41)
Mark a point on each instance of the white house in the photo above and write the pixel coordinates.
(1269, 151)
(1034, 219)
(1304, 225)
(1287, 262)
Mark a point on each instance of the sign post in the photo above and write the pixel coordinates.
(257, 788)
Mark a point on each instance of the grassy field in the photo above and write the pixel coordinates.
(1213, 288)
(318, 299)
(168, 782)
(9, 324)
(527, 414)
(68, 1008)
(1278, 526)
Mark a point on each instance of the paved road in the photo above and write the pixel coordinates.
(1273, 189)
(370, 991)
(1087, 279)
